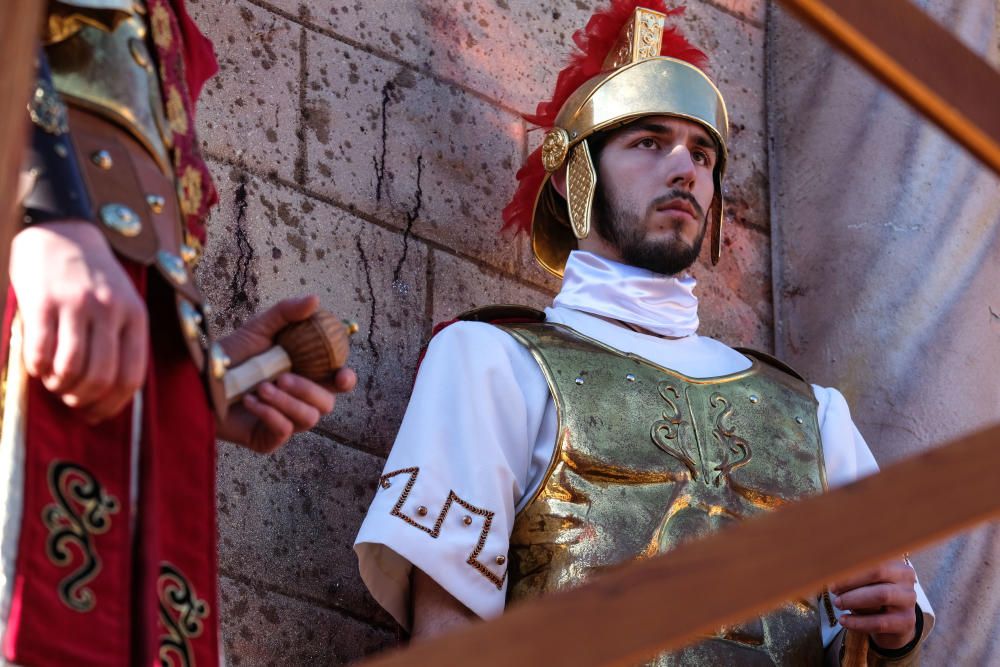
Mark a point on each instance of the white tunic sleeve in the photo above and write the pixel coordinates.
(461, 461)
(848, 458)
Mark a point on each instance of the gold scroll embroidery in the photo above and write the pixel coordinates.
(82, 510)
(182, 614)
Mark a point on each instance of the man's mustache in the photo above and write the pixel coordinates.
(674, 195)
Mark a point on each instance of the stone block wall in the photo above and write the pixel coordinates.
(363, 151)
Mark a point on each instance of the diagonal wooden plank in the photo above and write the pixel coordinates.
(920, 60)
(642, 608)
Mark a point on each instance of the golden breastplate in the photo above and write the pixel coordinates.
(647, 459)
(101, 61)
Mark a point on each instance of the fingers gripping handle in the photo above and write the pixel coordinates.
(315, 348)
(253, 371)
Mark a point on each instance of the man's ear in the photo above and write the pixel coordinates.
(559, 180)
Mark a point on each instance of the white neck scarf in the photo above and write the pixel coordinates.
(664, 305)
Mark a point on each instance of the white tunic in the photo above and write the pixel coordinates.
(480, 430)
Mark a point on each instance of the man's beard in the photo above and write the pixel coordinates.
(624, 229)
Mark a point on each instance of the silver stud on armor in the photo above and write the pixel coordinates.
(219, 361)
(190, 319)
(172, 266)
(102, 159)
(156, 203)
(121, 219)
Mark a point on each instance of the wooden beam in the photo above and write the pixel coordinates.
(22, 22)
(920, 60)
(630, 614)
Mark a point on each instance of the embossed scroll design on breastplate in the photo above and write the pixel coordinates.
(647, 459)
(672, 434)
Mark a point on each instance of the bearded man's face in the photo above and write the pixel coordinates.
(655, 189)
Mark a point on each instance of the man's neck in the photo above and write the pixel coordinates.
(596, 244)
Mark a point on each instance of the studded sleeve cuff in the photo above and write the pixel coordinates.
(446, 500)
(416, 523)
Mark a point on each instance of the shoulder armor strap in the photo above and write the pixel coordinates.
(770, 361)
(497, 314)
(502, 313)
(58, 191)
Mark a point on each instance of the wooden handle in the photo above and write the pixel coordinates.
(314, 348)
(255, 370)
(318, 345)
(855, 649)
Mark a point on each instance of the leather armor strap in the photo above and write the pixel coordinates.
(123, 179)
(119, 172)
(59, 191)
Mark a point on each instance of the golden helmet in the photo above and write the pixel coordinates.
(642, 69)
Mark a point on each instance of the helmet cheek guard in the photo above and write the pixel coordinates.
(718, 214)
(581, 185)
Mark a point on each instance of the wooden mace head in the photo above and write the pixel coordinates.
(317, 346)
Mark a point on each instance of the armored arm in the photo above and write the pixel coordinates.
(56, 188)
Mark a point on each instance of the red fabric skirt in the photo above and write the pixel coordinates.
(115, 540)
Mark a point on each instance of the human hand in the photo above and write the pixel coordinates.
(85, 328)
(881, 603)
(268, 416)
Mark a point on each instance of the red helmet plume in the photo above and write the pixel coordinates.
(595, 42)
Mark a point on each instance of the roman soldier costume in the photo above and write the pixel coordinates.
(540, 448)
(108, 531)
